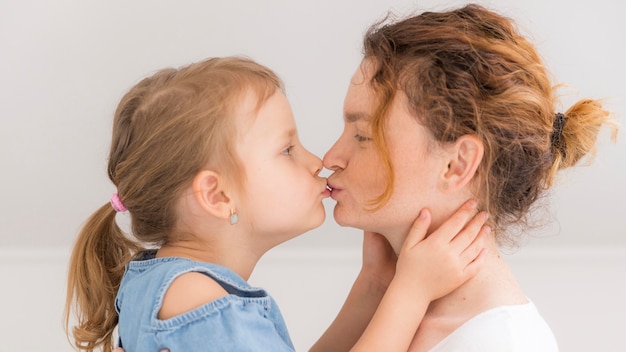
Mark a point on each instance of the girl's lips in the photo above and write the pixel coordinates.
(333, 191)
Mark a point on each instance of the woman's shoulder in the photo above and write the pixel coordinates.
(503, 328)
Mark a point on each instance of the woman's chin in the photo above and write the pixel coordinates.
(340, 217)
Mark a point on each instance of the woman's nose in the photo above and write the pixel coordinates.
(332, 159)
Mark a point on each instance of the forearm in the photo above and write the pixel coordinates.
(395, 322)
(354, 316)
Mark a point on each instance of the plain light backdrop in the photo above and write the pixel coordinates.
(65, 64)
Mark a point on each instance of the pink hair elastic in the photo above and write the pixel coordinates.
(116, 203)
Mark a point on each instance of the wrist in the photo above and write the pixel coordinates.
(411, 297)
(374, 282)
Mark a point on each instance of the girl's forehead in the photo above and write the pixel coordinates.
(269, 117)
(246, 110)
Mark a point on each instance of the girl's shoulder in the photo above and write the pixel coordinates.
(189, 291)
(183, 304)
(167, 270)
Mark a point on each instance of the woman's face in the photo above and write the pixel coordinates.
(359, 176)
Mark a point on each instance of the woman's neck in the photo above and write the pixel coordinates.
(493, 286)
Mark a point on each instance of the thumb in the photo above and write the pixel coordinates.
(418, 230)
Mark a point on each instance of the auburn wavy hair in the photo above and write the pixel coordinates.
(469, 71)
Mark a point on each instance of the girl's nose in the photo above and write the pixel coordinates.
(315, 163)
(318, 166)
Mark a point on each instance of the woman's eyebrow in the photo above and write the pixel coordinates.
(353, 117)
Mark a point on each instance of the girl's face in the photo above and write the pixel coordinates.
(359, 176)
(283, 192)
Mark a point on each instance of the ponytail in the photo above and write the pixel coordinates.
(96, 269)
(579, 131)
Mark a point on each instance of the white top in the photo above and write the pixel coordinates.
(517, 328)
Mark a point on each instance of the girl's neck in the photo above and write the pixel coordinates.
(240, 260)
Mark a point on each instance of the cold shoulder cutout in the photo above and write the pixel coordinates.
(238, 317)
(188, 292)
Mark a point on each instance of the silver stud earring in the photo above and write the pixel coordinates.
(234, 218)
(445, 185)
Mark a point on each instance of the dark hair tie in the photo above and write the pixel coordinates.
(557, 130)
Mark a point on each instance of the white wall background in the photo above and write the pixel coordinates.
(65, 64)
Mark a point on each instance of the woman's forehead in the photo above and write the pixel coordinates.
(360, 99)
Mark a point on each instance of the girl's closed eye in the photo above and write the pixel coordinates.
(288, 150)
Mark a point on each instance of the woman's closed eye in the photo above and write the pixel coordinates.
(361, 138)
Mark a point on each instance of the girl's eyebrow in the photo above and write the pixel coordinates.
(290, 133)
(356, 116)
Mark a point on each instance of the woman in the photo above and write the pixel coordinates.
(445, 107)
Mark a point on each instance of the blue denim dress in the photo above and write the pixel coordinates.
(247, 319)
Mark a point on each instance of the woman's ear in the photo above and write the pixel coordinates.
(464, 157)
(210, 193)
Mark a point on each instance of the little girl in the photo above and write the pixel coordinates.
(207, 161)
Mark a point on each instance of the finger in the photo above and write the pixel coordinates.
(449, 229)
(418, 229)
(469, 233)
(472, 252)
(474, 267)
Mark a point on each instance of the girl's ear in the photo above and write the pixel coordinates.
(209, 190)
(464, 157)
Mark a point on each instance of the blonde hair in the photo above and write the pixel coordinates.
(469, 71)
(166, 129)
